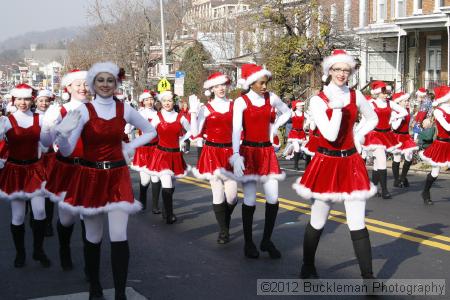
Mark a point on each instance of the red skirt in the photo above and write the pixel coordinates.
(167, 163)
(3, 153)
(62, 180)
(99, 191)
(386, 140)
(310, 147)
(335, 179)
(49, 160)
(212, 160)
(295, 135)
(437, 154)
(142, 157)
(22, 182)
(407, 143)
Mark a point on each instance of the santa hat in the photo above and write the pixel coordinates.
(145, 94)
(337, 56)
(165, 94)
(213, 80)
(376, 87)
(73, 75)
(65, 96)
(399, 97)
(102, 67)
(297, 103)
(421, 92)
(251, 73)
(22, 91)
(441, 95)
(45, 93)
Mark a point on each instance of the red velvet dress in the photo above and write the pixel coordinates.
(144, 155)
(167, 157)
(332, 177)
(382, 136)
(218, 148)
(297, 133)
(310, 146)
(61, 178)
(23, 176)
(3, 151)
(99, 189)
(438, 153)
(403, 137)
(273, 118)
(261, 163)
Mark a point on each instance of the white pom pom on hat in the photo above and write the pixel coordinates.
(207, 93)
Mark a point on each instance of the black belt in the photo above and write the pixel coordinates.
(256, 144)
(69, 160)
(219, 145)
(338, 153)
(400, 132)
(168, 149)
(151, 144)
(443, 140)
(382, 130)
(22, 161)
(103, 165)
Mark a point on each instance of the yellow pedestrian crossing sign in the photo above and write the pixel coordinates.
(164, 85)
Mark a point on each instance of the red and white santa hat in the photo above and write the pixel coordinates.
(441, 95)
(164, 95)
(377, 87)
(422, 92)
(103, 67)
(73, 75)
(22, 91)
(145, 94)
(213, 80)
(399, 97)
(297, 103)
(337, 56)
(65, 96)
(45, 93)
(250, 73)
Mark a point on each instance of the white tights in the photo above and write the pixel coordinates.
(296, 146)
(408, 156)
(66, 217)
(221, 188)
(435, 171)
(117, 223)
(18, 210)
(270, 189)
(379, 162)
(355, 211)
(146, 178)
(167, 181)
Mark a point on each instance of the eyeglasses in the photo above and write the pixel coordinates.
(339, 70)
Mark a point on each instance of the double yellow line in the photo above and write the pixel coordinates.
(398, 231)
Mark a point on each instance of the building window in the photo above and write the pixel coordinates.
(433, 61)
(417, 8)
(347, 14)
(381, 16)
(438, 4)
(401, 9)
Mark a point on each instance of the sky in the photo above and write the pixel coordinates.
(21, 16)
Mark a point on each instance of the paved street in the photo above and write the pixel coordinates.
(183, 261)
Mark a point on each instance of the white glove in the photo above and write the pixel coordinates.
(2, 127)
(68, 124)
(128, 152)
(194, 104)
(51, 116)
(336, 104)
(181, 144)
(237, 162)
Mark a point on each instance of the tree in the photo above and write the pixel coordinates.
(193, 60)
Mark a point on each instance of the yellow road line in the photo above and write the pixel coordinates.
(339, 217)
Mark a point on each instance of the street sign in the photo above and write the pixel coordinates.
(180, 74)
(164, 85)
(178, 89)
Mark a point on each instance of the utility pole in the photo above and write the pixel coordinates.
(163, 41)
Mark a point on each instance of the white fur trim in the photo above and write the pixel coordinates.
(138, 168)
(375, 91)
(165, 94)
(217, 174)
(329, 61)
(45, 93)
(406, 150)
(300, 141)
(216, 81)
(245, 83)
(306, 193)
(72, 76)
(121, 205)
(419, 93)
(41, 192)
(196, 139)
(324, 78)
(432, 162)
(144, 96)
(65, 96)
(306, 151)
(375, 146)
(441, 100)
(101, 67)
(246, 178)
(22, 93)
(168, 172)
(207, 93)
(401, 98)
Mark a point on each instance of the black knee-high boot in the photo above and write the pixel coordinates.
(38, 242)
(64, 236)
(167, 196)
(230, 209)
(199, 152)
(18, 234)
(296, 159)
(156, 190)
(310, 243)
(220, 210)
(307, 160)
(93, 269)
(120, 256)
(143, 195)
(83, 238)
(426, 196)
(383, 182)
(403, 179)
(376, 180)
(363, 251)
(269, 224)
(250, 249)
(396, 173)
(49, 208)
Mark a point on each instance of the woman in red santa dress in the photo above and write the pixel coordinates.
(382, 139)
(215, 119)
(255, 160)
(337, 172)
(167, 162)
(401, 131)
(144, 154)
(438, 153)
(23, 177)
(103, 183)
(297, 134)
